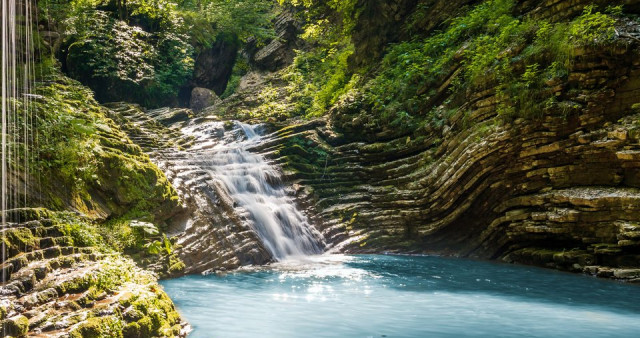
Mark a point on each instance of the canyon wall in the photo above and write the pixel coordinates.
(560, 190)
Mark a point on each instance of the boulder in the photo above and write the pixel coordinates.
(202, 98)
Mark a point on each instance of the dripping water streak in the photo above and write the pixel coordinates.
(17, 81)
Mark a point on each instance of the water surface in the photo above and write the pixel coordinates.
(397, 296)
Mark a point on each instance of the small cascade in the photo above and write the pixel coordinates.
(255, 186)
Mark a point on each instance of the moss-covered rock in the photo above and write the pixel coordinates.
(97, 292)
(87, 163)
(99, 327)
(17, 326)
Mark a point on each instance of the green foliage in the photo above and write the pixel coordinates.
(240, 68)
(317, 79)
(593, 27)
(142, 50)
(121, 60)
(319, 76)
(82, 153)
(65, 129)
(347, 10)
(163, 246)
(242, 19)
(487, 47)
(113, 273)
(83, 233)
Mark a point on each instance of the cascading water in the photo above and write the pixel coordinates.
(256, 187)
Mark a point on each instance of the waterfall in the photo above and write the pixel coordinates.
(256, 188)
(17, 77)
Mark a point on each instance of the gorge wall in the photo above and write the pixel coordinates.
(556, 186)
(536, 160)
(557, 190)
(560, 190)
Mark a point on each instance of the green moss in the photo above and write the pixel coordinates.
(160, 317)
(17, 326)
(84, 156)
(28, 214)
(18, 240)
(98, 327)
(133, 330)
(146, 327)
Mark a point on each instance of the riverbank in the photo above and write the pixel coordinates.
(61, 279)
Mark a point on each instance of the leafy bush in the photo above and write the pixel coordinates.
(319, 76)
(123, 61)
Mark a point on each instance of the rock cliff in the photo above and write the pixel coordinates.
(559, 190)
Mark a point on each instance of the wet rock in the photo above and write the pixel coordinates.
(209, 232)
(558, 192)
(168, 116)
(68, 300)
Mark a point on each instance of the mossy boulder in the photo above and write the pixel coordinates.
(16, 240)
(17, 326)
(28, 214)
(3, 312)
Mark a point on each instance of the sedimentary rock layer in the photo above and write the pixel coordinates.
(559, 190)
(57, 286)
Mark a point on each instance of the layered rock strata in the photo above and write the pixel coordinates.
(54, 285)
(560, 190)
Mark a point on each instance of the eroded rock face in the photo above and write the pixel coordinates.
(561, 190)
(280, 51)
(210, 235)
(558, 191)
